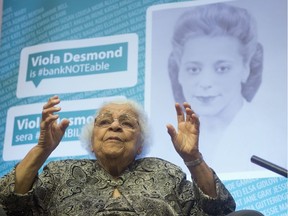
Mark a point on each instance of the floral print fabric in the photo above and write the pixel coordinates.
(149, 186)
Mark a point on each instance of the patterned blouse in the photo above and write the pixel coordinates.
(149, 186)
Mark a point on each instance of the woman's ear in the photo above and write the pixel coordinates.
(139, 150)
(91, 146)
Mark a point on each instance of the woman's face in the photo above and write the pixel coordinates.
(211, 72)
(116, 133)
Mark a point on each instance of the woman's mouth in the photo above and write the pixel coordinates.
(114, 138)
(206, 99)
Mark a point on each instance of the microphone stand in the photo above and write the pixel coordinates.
(270, 166)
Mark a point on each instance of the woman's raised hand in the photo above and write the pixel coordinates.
(186, 139)
(51, 132)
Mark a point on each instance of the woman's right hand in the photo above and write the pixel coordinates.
(51, 132)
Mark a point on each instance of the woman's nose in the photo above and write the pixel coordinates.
(115, 124)
(205, 81)
(205, 86)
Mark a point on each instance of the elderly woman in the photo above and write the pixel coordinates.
(115, 183)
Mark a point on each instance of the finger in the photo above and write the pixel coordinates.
(52, 102)
(195, 120)
(179, 112)
(171, 131)
(189, 112)
(47, 122)
(49, 108)
(49, 112)
(64, 124)
(187, 105)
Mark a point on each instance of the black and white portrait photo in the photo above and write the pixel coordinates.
(228, 59)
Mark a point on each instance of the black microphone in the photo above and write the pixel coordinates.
(270, 166)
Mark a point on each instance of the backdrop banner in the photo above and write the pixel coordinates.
(231, 68)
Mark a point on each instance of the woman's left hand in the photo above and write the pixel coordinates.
(186, 139)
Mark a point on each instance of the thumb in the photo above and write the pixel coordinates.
(171, 131)
(64, 124)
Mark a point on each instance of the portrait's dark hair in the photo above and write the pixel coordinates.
(218, 20)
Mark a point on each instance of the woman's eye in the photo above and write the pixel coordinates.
(127, 124)
(104, 122)
(193, 70)
(223, 69)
